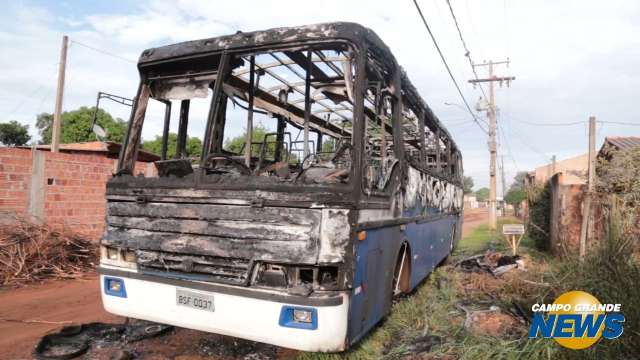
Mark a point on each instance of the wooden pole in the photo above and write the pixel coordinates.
(55, 130)
(586, 206)
(492, 152)
(491, 114)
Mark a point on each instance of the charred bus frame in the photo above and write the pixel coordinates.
(309, 237)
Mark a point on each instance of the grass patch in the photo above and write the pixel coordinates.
(481, 238)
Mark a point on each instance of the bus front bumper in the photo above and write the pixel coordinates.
(248, 314)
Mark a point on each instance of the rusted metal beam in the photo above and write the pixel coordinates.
(182, 129)
(271, 103)
(215, 120)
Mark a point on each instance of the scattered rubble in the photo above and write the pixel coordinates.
(73, 341)
(32, 252)
(492, 262)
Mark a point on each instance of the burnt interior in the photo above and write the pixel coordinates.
(306, 96)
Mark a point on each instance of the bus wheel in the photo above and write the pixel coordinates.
(402, 272)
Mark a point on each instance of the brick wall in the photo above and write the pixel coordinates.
(75, 191)
(15, 173)
(69, 189)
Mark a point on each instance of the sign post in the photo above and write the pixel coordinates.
(513, 233)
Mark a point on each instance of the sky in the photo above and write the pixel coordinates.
(571, 60)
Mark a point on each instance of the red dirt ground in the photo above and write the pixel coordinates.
(473, 218)
(57, 300)
(78, 301)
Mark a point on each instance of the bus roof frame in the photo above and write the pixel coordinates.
(243, 41)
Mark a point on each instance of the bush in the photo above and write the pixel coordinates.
(539, 198)
(611, 274)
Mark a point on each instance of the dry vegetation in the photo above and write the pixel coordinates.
(31, 252)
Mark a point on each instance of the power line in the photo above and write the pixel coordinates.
(531, 147)
(103, 52)
(618, 123)
(504, 136)
(551, 124)
(28, 97)
(448, 69)
(467, 52)
(577, 123)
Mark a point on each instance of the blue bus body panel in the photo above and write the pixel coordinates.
(371, 281)
(429, 244)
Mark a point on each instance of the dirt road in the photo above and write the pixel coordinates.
(473, 218)
(78, 301)
(53, 301)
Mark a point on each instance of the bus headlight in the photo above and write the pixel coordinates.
(298, 317)
(303, 316)
(118, 257)
(114, 287)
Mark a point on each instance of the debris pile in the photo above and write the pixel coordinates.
(492, 262)
(32, 252)
(492, 321)
(73, 341)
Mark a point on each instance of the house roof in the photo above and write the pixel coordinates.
(623, 142)
(110, 148)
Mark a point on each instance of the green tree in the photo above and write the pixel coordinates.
(515, 197)
(76, 126)
(14, 134)
(467, 183)
(516, 193)
(235, 144)
(518, 181)
(328, 145)
(482, 194)
(193, 147)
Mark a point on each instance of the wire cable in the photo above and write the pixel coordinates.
(448, 69)
(577, 123)
(467, 52)
(505, 138)
(617, 123)
(550, 124)
(103, 52)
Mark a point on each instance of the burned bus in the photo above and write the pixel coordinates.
(300, 237)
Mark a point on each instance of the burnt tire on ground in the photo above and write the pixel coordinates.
(73, 341)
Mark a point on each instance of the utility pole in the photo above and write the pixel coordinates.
(586, 205)
(504, 183)
(491, 114)
(55, 132)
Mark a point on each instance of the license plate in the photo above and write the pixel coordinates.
(194, 300)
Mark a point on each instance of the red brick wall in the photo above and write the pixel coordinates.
(74, 185)
(75, 191)
(15, 175)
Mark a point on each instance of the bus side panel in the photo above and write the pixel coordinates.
(375, 261)
(430, 244)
